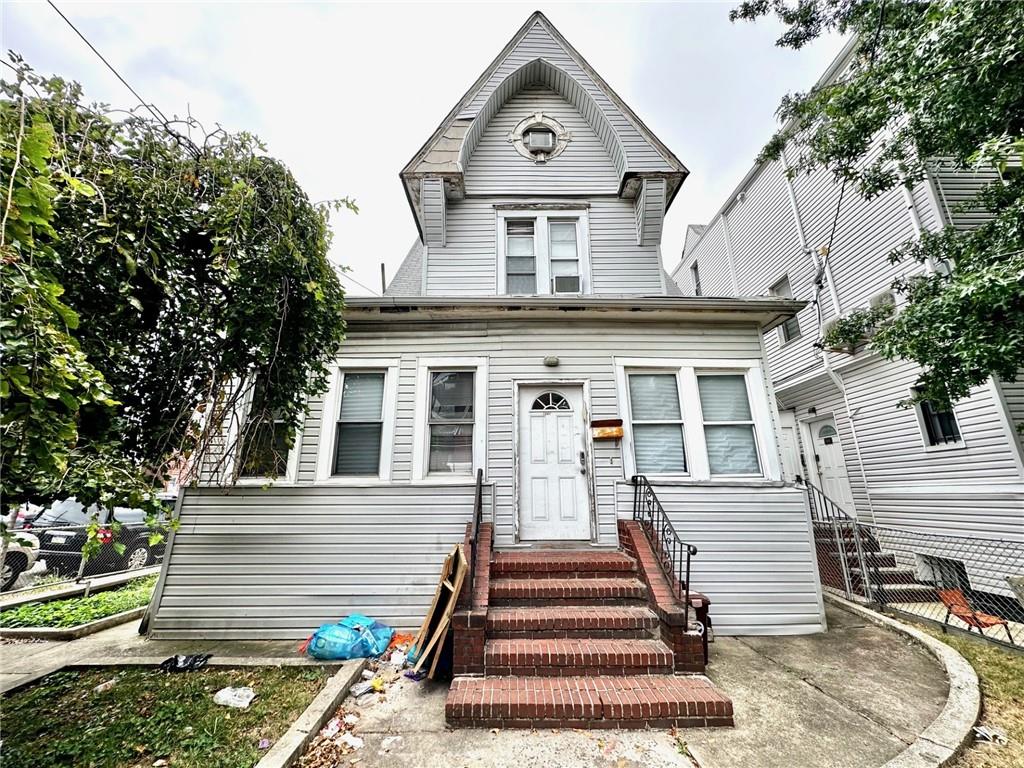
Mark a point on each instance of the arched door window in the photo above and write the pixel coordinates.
(551, 401)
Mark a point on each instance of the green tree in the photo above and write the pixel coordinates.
(928, 80)
(149, 281)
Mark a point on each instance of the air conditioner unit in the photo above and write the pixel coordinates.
(567, 284)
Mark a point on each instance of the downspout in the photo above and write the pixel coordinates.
(841, 386)
(729, 254)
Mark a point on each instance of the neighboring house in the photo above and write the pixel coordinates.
(931, 470)
(534, 303)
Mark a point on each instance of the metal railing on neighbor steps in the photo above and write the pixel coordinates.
(673, 554)
(965, 583)
(478, 510)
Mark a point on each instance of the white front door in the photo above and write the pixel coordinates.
(830, 464)
(554, 500)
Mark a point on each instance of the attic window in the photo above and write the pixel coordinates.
(539, 138)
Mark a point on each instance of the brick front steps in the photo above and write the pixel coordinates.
(655, 701)
(578, 638)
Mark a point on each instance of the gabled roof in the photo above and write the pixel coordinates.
(408, 280)
(539, 50)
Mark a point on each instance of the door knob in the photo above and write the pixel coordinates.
(583, 463)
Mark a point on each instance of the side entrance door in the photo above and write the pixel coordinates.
(831, 466)
(554, 497)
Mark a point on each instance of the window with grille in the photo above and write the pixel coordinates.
(728, 424)
(450, 422)
(790, 329)
(939, 425)
(360, 424)
(657, 423)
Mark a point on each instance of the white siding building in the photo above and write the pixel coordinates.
(842, 426)
(533, 304)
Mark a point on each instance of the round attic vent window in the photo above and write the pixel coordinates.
(539, 138)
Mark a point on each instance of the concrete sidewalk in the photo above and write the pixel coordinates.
(854, 697)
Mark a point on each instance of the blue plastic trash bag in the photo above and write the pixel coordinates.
(353, 637)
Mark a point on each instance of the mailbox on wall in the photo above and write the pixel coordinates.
(606, 429)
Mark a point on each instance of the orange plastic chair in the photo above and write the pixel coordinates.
(956, 604)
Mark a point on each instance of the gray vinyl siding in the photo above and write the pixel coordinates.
(433, 201)
(957, 189)
(467, 266)
(538, 43)
(277, 562)
(712, 255)
(584, 167)
(754, 558)
(1013, 396)
(651, 203)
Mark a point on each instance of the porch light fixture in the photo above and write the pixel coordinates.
(551, 362)
(812, 411)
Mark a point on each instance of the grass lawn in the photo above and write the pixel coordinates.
(72, 611)
(149, 715)
(1001, 673)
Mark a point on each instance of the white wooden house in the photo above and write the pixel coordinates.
(955, 472)
(533, 304)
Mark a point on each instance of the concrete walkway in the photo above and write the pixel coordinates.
(22, 662)
(853, 697)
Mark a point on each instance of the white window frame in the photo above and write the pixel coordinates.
(922, 428)
(329, 419)
(752, 422)
(695, 445)
(627, 410)
(239, 417)
(781, 330)
(541, 246)
(421, 430)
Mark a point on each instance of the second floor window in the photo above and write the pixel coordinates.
(938, 424)
(542, 254)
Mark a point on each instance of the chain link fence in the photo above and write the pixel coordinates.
(47, 555)
(970, 584)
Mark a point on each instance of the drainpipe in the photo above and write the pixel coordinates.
(841, 386)
(728, 253)
(915, 220)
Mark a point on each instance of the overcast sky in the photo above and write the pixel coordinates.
(346, 93)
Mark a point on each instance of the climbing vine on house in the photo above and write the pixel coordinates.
(929, 82)
(152, 273)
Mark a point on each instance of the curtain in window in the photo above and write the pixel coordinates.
(451, 422)
(360, 425)
(657, 423)
(728, 425)
(520, 257)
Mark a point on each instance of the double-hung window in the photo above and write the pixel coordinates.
(543, 252)
(657, 423)
(263, 448)
(790, 329)
(450, 422)
(728, 424)
(360, 424)
(520, 256)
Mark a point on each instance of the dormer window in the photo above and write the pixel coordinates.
(543, 251)
(540, 139)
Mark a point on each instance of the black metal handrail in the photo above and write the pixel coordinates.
(478, 509)
(823, 509)
(672, 553)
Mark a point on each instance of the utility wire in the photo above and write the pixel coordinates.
(349, 277)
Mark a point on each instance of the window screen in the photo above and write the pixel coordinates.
(790, 328)
(520, 256)
(657, 423)
(565, 263)
(728, 424)
(360, 424)
(451, 422)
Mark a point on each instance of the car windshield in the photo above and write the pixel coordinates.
(68, 512)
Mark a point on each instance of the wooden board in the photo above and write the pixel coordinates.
(438, 618)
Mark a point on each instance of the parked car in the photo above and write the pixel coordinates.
(61, 530)
(22, 553)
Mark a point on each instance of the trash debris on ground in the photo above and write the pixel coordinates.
(389, 742)
(332, 728)
(990, 734)
(350, 719)
(334, 745)
(239, 698)
(354, 637)
(368, 674)
(103, 687)
(351, 741)
(415, 676)
(264, 744)
(397, 659)
(189, 663)
(359, 689)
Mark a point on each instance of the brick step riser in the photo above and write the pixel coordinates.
(614, 670)
(618, 574)
(563, 602)
(580, 634)
(641, 724)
